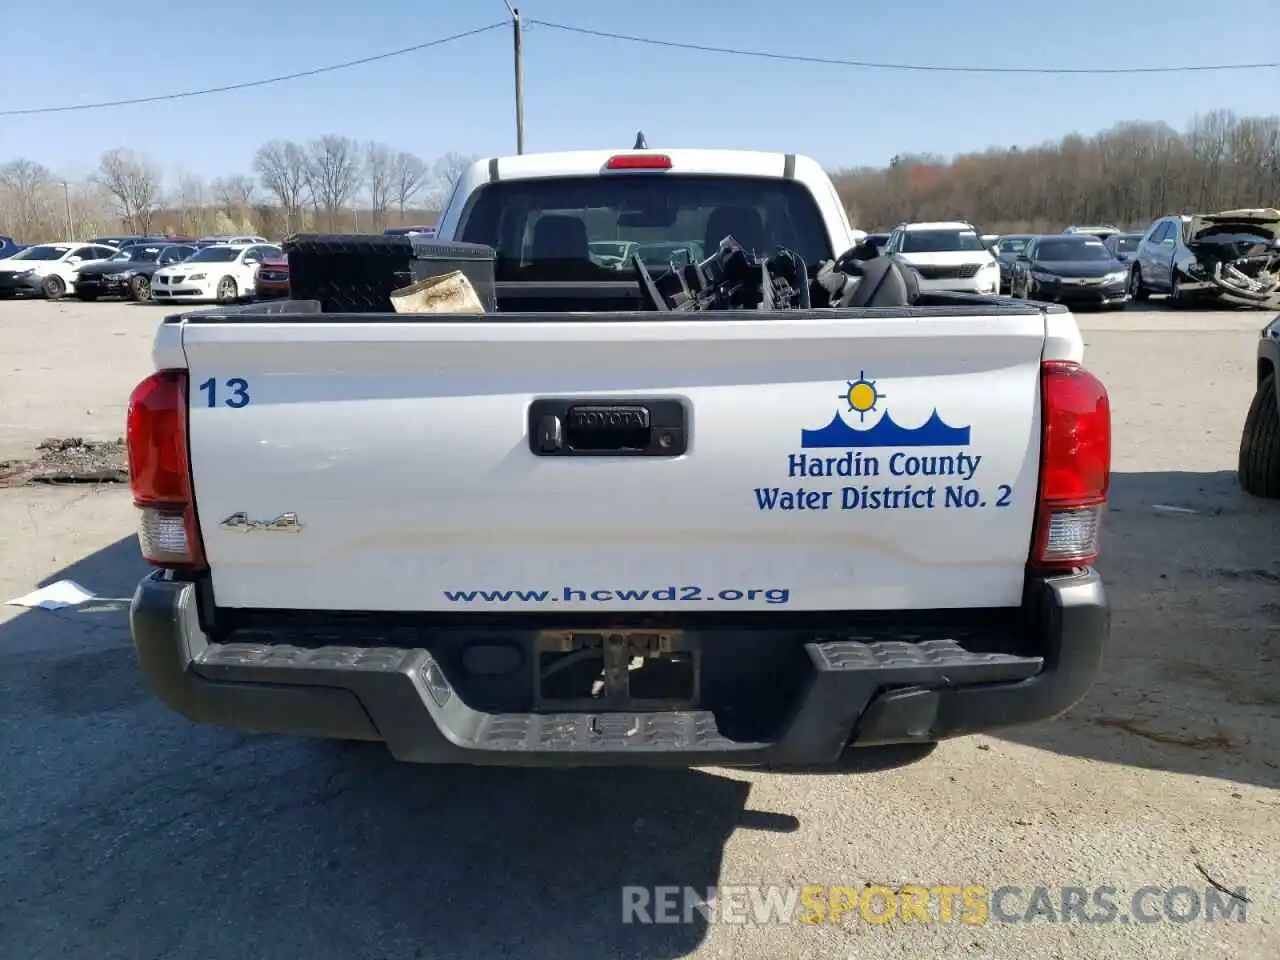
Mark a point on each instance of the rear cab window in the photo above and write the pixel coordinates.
(943, 240)
(586, 228)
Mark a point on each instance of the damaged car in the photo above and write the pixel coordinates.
(1232, 257)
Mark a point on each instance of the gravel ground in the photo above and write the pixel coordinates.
(69, 460)
(130, 833)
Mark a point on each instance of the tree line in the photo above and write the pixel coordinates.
(332, 184)
(1127, 175)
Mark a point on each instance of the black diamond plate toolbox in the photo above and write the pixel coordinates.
(357, 273)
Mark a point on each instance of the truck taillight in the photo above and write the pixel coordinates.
(1075, 467)
(160, 474)
(638, 161)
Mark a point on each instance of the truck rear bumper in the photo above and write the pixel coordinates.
(857, 693)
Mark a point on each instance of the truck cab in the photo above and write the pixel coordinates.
(567, 225)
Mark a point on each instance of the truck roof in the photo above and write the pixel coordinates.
(571, 163)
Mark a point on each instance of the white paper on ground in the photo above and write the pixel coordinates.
(64, 593)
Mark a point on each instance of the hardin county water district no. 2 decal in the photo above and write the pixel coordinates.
(887, 462)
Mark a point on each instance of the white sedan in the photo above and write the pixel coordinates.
(48, 269)
(223, 272)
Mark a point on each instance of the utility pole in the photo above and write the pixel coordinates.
(518, 37)
(66, 204)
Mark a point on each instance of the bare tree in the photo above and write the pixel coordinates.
(25, 185)
(408, 177)
(234, 197)
(379, 171)
(134, 182)
(334, 169)
(190, 204)
(282, 168)
(447, 171)
(1127, 175)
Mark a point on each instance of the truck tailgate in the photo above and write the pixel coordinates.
(831, 464)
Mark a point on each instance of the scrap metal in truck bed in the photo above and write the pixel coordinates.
(559, 538)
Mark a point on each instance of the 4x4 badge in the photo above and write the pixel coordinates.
(285, 523)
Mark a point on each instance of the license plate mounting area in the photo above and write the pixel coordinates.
(616, 670)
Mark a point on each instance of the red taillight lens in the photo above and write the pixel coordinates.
(639, 161)
(160, 474)
(1075, 467)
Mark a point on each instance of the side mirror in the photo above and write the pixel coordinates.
(73, 260)
(250, 260)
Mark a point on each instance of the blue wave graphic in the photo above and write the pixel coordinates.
(934, 432)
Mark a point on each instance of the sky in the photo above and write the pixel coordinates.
(587, 92)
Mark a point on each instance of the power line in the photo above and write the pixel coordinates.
(649, 41)
(917, 67)
(247, 84)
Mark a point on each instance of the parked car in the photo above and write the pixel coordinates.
(234, 239)
(948, 255)
(272, 281)
(1101, 231)
(1123, 246)
(48, 269)
(222, 272)
(150, 241)
(1073, 269)
(1232, 256)
(1006, 251)
(129, 272)
(113, 241)
(1258, 469)
(8, 247)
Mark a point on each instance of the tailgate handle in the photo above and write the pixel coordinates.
(580, 427)
(613, 428)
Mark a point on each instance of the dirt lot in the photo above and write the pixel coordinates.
(127, 832)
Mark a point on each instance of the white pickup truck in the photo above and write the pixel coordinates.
(800, 532)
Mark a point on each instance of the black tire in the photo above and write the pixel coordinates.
(227, 290)
(1137, 291)
(1177, 299)
(53, 288)
(1259, 466)
(140, 289)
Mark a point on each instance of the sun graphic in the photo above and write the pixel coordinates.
(862, 396)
